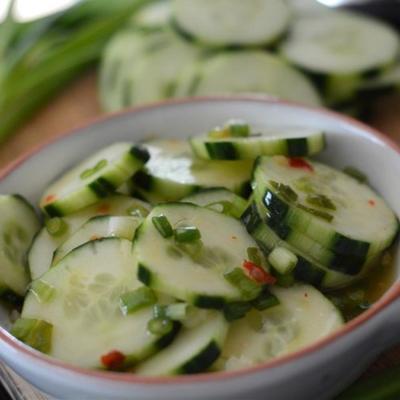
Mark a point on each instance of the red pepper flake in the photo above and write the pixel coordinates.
(371, 202)
(104, 209)
(94, 237)
(301, 164)
(49, 198)
(234, 237)
(306, 294)
(258, 274)
(113, 360)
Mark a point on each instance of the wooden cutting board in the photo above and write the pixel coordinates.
(78, 105)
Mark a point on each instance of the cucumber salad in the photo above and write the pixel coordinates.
(185, 256)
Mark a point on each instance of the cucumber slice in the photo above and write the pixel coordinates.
(114, 92)
(98, 228)
(306, 269)
(94, 178)
(218, 199)
(232, 22)
(293, 142)
(196, 274)
(341, 44)
(361, 223)
(18, 225)
(155, 73)
(44, 244)
(304, 315)
(172, 173)
(247, 72)
(84, 306)
(350, 263)
(193, 350)
(155, 15)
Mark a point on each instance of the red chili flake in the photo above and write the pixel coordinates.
(258, 274)
(301, 164)
(305, 294)
(113, 360)
(94, 237)
(104, 209)
(371, 203)
(49, 198)
(234, 237)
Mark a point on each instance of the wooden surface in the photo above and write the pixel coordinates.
(78, 104)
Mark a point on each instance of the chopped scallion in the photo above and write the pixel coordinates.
(131, 302)
(187, 234)
(253, 254)
(320, 200)
(56, 226)
(318, 213)
(238, 128)
(163, 226)
(356, 174)
(249, 288)
(284, 191)
(265, 300)
(236, 310)
(160, 326)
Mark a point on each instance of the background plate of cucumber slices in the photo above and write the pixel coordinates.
(190, 341)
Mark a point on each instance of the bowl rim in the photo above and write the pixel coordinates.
(388, 298)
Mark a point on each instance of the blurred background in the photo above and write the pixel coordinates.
(65, 62)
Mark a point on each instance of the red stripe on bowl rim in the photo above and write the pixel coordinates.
(389, 297)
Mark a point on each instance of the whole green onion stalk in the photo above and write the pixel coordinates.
(40, 57)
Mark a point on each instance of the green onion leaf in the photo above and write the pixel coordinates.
(56, 226)
(265, 300)
(318, 213)
(249, 288)
(284, 191)
(163, 226)
(356, 174)
(320, 200)
(238, 128)
(253, 254)
(34, 332)
(131, 302)
(160, 326)
(236, 310)
(187, 234)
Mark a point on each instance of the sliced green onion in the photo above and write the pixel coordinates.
(131, 302)
(163, 226)
(304, 185)
(43, 291)
(283, 260)
(34, 332)
(253, 254)
(318, 213)
(175, 312)
(87, 173)
(56, 226)
(285, 280)
(100, 165)
(320, 200)
(236, 310)
(160, 326)
(284, 191)
(187, 234)
(238, 128)
(249, 288)
(356, 174)
(265, 300)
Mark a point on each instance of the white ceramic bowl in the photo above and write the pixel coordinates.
(317, 372)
